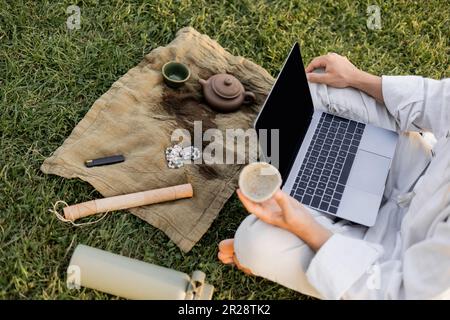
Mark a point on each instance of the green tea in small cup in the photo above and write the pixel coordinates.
(259, 181)
(175, 74)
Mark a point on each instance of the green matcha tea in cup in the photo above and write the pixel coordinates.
(259, 181)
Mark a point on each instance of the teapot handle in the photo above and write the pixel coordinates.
(249, 97)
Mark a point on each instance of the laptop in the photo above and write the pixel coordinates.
(329, 163)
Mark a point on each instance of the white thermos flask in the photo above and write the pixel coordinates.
(133, 279)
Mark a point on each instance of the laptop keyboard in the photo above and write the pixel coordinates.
(324, 172)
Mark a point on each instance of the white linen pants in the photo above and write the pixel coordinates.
(282, 257)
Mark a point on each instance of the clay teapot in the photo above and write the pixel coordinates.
(225, 93)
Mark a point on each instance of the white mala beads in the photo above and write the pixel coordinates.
(176, 155)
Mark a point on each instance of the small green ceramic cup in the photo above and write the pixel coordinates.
(175, 74)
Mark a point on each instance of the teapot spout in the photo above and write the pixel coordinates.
(202, 81)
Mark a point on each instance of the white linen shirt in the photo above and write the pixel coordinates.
(406, 254)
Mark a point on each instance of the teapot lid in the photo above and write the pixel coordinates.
(226, 86)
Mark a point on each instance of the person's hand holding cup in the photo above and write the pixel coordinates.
(259, 192)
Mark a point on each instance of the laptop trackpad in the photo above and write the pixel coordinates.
(369, 172)
(379, 141)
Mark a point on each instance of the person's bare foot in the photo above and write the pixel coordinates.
(226, 251)
(227, 256)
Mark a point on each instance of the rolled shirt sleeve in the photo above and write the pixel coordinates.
(418, 103)
(339, 263)
(345, 267)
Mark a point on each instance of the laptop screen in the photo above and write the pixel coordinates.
(288, 108)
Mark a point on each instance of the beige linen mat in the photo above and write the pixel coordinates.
(136, 118)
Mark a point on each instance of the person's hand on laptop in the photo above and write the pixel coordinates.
(341, 73)
(285, 212)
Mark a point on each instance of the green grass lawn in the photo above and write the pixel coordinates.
(49, 78)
